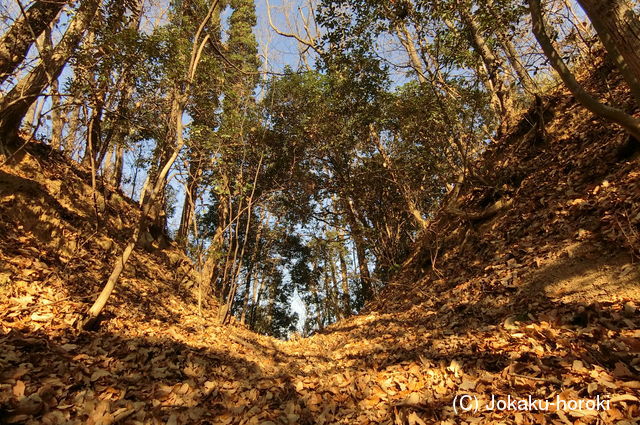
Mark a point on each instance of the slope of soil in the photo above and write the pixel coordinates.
(539, 299)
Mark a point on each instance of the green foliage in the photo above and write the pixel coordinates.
(333, 167)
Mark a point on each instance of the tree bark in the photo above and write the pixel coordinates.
(74, 124)
(191, 194)
(177, 110)
(33, 115)
(502, 96)
(412, 207)
(57, 121)
(511, 53)
(618, 27)
(16, 42)
(346, 299)
(247, 289)
(120, 127)
(107, 166)
(328, 298)
(161, 154)
(337, 311)
(257, 297)
(118, 166)
(629, 123)
(358, 241)
(525, 79)
(313, 288)
(15, 104)
(254, 256)
(94, 137)
(407, 42)
(147, 204)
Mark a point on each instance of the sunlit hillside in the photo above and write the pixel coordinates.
(323, 212)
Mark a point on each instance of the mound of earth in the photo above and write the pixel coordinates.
(525, 285)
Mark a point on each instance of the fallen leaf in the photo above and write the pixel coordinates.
(623, 397)
(37, 317)
(468, 384)
(18, 389)
(99, 374)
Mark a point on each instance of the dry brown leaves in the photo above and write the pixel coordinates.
(541, 301)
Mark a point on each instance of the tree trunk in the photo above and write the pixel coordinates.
(257, 248)
(512, 56)
(33, 115)
(161, 154)
(104, 142)
(214, 251)
(363, 267)
(492, 64)
(271, 304)
(511, 53)
(407, 42)
(57, 120)
(143, 189)
(247, 289)
(16, 42)
(147, 204)
(403, 188)
(118, 166)
(337, 311)
(358, 241)
(240, 257)
(421, 67)
(177, 111)
(56, 116)
(618, 27)
(346, 299)
(74, 125)
(313, 288)
(15, 104)
(257, 297)
(92, 150)
(190, 197)
(120, 127)
(119, 131)
(328, 302)
(107, 166)
(629, 123)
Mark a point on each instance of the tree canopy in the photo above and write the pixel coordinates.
(297, 188)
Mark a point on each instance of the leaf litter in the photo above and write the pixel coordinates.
(541, 300)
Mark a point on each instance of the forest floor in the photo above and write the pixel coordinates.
(541, 299)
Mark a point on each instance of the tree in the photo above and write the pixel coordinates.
(618, 26)
(105, 71)
(203, 109)
(240, 154)
(496, 85)
(629, 123)
(14, 105)
(15, 43)
(158, 183)
(320, 186)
